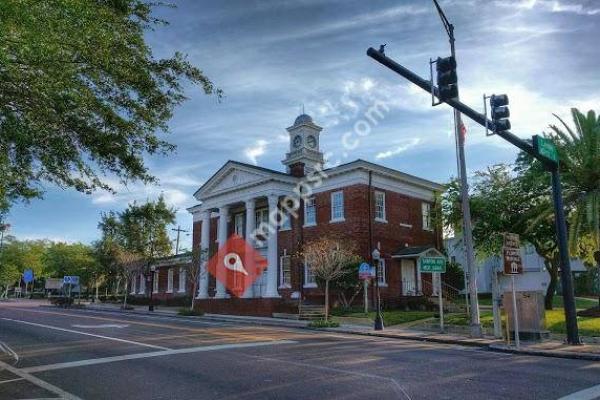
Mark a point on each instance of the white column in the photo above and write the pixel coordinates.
(272, 252)
(250, 227)
(204, 246)
(419, 279)
(223, 214)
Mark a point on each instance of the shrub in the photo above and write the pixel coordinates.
(321, 323)
(62, 301)
(188, 312)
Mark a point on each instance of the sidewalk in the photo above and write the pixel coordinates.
(551, 348)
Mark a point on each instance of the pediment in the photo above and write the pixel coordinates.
(234, 176)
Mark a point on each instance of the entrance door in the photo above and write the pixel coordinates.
(409, 280)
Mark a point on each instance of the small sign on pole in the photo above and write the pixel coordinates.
(513, 265)
(364, 271)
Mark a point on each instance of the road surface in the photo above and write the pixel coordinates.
(54, 353)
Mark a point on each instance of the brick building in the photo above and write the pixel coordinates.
(359, 201)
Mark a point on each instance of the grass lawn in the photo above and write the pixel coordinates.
(391, 317)
(580, 302)
(555, 322)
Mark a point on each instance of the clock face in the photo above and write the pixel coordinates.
(297, 141)
(311, 141)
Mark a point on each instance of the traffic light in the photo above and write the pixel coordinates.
(500, 112)
(446, 78)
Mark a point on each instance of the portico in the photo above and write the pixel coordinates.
(238, 200)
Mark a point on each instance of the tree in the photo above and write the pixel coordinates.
(130, 265)
(82, 95)
(194, 271)
(16, 256)
(62, 259)
(135, 235)
(328, 259)
(579, 155)
(509, 200)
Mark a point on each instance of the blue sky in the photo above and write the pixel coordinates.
(272, 57)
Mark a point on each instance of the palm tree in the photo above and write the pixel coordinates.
(579, 153)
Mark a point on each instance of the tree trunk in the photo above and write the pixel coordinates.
(194, 288)
(125, 295)
(326, 300)
(552, 268)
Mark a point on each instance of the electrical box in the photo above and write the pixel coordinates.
(531, 313)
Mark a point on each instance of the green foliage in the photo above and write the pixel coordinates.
(17, 256)
(322, 323)
(62, 259)
(82, 94)
(190, 313)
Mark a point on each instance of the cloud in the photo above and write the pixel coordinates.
(554, 6)
(255, 151)
(398, 149)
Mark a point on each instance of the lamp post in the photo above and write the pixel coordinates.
(152, 270)
(378, 319)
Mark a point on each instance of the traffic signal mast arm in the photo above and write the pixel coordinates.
(463, 108)
(541, 152)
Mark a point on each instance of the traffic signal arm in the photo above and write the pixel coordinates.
(463, 108)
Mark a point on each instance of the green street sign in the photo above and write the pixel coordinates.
(545, 148)
(432, 264)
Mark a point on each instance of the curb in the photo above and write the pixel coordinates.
(545, 353)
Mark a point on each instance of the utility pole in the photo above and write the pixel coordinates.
(464, 194)
(178, 230)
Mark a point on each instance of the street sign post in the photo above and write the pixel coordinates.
(513, 265)
(435, 265)
(365, 273)
(28, 278)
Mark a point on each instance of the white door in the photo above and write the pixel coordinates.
(409, 281)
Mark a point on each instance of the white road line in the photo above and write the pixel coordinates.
(104, 360)
(11, 380)
(6, 349)
(585, 394)
(38, 382)
(87, 334)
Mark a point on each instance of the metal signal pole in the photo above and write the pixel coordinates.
(464, 195)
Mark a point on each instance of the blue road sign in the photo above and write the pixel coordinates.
(364, 271)
(28, 276)
(71, 280)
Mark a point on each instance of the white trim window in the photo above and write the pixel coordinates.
(182, 279)
(238, 224)
(310, 212)
(426, 215)
(155, 281)
(133, 284)
(381, 276)
(310, 280)
(142, 288)
(262, 216)
(285, 272)
(170, 281)
(380, 206)
(337, 206)
(286, 220)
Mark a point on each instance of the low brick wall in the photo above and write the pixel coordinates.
(252, 307)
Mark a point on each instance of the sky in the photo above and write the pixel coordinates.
(273, 58)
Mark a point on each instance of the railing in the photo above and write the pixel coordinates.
(449, 292)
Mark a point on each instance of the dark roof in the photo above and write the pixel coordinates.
(303, 119)
(411, 250)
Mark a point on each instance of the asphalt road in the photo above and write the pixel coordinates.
(52, 353)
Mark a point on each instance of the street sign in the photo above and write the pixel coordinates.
(432, 264)
(28, 276)
(71, 280)
(364, 271)
(545, 148)
(511, 254)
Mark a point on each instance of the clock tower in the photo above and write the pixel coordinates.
(304, 155)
